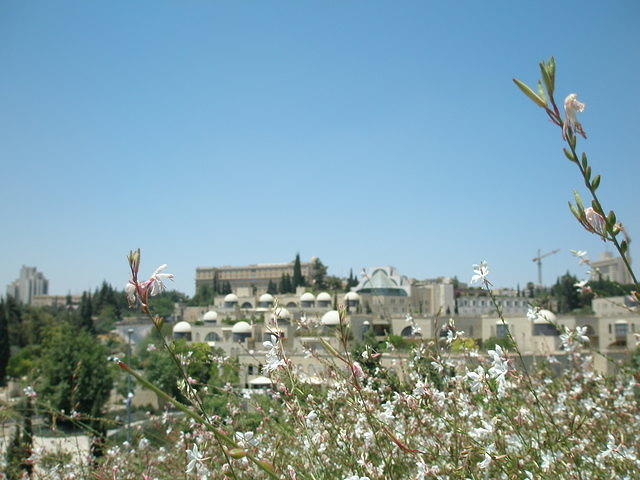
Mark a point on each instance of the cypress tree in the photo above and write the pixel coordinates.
(298, 279)
(5, 350)
(86, 313)
(272, 288)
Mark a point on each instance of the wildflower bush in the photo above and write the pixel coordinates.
(443, 410)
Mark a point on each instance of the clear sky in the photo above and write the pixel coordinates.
(362, 132)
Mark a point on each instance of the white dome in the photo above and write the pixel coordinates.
(353, 296)
(323, 297)
(241, 327)
(307, 297)
(545, 316)
(331, 318)
(210, 316)
(266, 297)
(231, 297)
(282, 313)
(182, 327)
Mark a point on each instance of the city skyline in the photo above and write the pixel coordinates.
(362, 134)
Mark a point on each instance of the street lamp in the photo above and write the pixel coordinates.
(129, 394)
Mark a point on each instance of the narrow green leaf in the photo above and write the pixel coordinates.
(624, 246)
(587, 173)
(569, 155)
(266, 467)
(584, 160)
(595, 183)
(530, 93)
(541, 92)
(546, 78)
(579, 203)
(551, 71)
(574, 210)
(611, 218)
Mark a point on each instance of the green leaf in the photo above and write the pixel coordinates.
(551, 71)
(569, 155)
(587, 173)
(574, 210)
(541, 92)
(530, 93)
(584, 160)
(611, 218)
(624, 246)
(595, 183)
(266, 467)
(579, 203)
(546, 78)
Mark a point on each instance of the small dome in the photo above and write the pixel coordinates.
(266, 297)
(241, 327)
(331, 318)
(231, 297)
(182, 327)
(210, 316)
(323, 297)
(545, 316)
(282, 313)
(353, 296)
(307, 297)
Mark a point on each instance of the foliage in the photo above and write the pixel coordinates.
(5, 348)
(318, 274)
(297, 280)
(73, 374)
(491, 342)
(25, 361)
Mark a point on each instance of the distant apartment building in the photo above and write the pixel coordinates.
(611, 268)
(255, 276)
(30, 283)
(55, 300)
(471, 305)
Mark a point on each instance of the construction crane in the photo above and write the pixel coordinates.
(538, 259)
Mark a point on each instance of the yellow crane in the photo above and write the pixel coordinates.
(539, 258)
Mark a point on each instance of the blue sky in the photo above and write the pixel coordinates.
(363, 132)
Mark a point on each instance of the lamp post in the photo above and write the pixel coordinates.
(129, 394)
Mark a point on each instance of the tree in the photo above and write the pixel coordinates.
(285, 285)
(272, 288)
(74, 372)
(86, 312)
(566, 294)
(318, 274)
(5, 350)
(530, 289)
(298, 279)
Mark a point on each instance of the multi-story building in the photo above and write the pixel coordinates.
(30, 283)
(255, 276)
(55, 300)
(470, 305)
(611, 268)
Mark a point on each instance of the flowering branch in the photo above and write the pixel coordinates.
(593, 219)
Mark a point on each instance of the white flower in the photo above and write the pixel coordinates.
(533, 313)
(273, 358)
(246, 439)
(581, 284)
(476, 378)
(195, 458)
(485, 463)
(158, 286)
(580, 255)
(130, 292)
(29, 391)
(595, 222)
(480, 271)
(571, 107)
